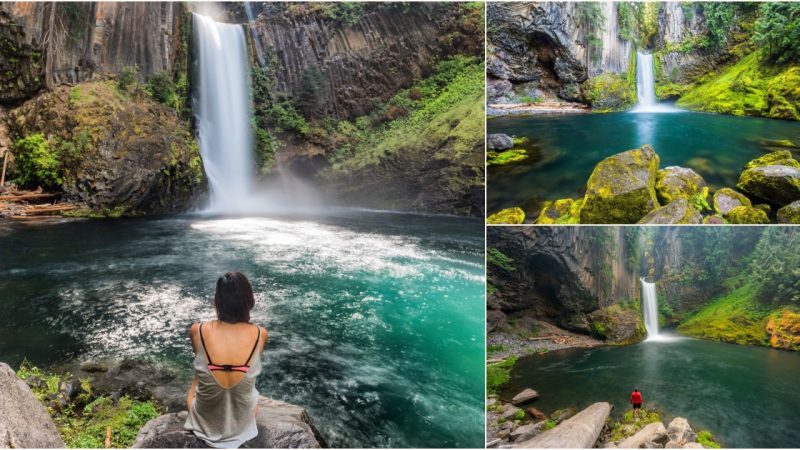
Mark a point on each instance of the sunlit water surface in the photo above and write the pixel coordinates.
(375, 319)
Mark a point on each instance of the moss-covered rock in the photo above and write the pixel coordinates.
(507, 216)
(790, 213)
(621, 188)
(726, 199)
(677, 212)
(122, 153)
(713, 220)
(783, 95)
(783, 329)
(779, 158)
(507, 157)
(763, 207)
(746, 215)
(609, 92)
(617, 323)
(777, 185)
(563, 211)
(675, 182)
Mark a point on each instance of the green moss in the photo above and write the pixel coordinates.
(700, 200)
(630, 425)
(496, 258)
(789, 214)
(763, 182)
(563, 211)
(549, 425)
(610, 92)
(747, 215)
(706, 439)
(735, 317)
(779, 158)
(519, 415)
(507, 216)
(497, 375)
(506, 157)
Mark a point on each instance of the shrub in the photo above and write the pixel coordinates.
(127, 77)
(161, 87)
(497, 375)
(36, 164)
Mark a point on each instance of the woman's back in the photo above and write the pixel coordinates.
(227, 362)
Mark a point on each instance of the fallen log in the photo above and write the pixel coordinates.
(23, 196)
(579, 431)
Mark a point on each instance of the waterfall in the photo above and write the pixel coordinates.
(646, 87)
(222, 111)
(650, 308)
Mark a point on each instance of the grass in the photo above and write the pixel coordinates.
(495, 348)
(735, 317)
(497, 375)
(549, 425)
(629, 425)
(82, 422)
(706, 439)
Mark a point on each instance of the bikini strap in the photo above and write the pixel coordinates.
(203, 341)
(255, 346)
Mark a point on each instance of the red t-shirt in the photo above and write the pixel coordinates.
(636, 398)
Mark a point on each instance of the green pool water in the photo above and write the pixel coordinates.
(376, 319)
(746, 396)
(567, 148)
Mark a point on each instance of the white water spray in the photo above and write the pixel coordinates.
(646, 87)
(222, 112)
(650, 309)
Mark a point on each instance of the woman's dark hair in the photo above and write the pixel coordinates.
(233, 298)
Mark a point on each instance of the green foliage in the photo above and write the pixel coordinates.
(610, 92)
(495, 348)
(549, 425)
(735, 317)
(311, 89)
(36, 163)
(348, 13)
(630, 425)
(625, 21)
(285, 117)
(52, 381)
(497, 375)
(599, 330)
(527, 99)
(700, 200)
(496, 258)
(519, 415)
(706, 439)
(74, 95)
(161, 87)
(127, 78)
(719, 20)
(777, 31)
(776, 265)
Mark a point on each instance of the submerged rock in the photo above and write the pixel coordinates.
(579, 431)
(746, 214)
(499, 141)
(280, 425)
(563, 211)
(525, 396)
(790, 213)
(726, 199)
(675, 182)
(677, 212)
(507, 216)
(24, 421)
(621, 188)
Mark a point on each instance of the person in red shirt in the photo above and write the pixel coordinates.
(636, 401)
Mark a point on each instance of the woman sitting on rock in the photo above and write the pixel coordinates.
(223, 400)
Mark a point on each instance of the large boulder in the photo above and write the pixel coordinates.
(747, 215)
(579, 431)
(280, 425)
(621, 188)
(677, 212)
(499, 141)
(790, 213)
(726, 199)
(675, 182)
(680, 432)
(507, 216)
(779, 158)
(24, 421)
(775, 184)
(651, 433)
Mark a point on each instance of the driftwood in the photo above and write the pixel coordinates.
(19, 197)
(579, 431)
(31, 205)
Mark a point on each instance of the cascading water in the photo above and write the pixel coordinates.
(646, 87)
(650, 309)
(222, 111)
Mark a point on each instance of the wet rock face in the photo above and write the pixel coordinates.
(21, 64)
(388, 48)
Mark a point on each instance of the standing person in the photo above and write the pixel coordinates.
(636, 401)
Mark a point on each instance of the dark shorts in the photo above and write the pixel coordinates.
(637, 406)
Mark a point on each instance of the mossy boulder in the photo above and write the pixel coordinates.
(616, 323)
(675, 182)
(563, 211)
(609, 92)
(677, 212)
(779, 158)
(507, 157)
(790, 213)
(119, 154)
(726, 199)
(746, 215)
(621, 188)
(713, 220)
(774, 184)
(513, 215)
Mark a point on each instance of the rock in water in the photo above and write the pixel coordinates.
(579, 431)
(536, 414)
(507, 216)
(24, 421)
(680, 432)
(678, 211)
(778, 185)
(280, 425)
(779, 158)
(675, 182)
(790, 213)
(726, 199)
(525, 396)
(499, 141)
(652, 433)
(621, 188)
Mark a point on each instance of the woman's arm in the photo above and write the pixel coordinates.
(190, 395)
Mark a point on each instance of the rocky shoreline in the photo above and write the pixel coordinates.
(40, 409)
